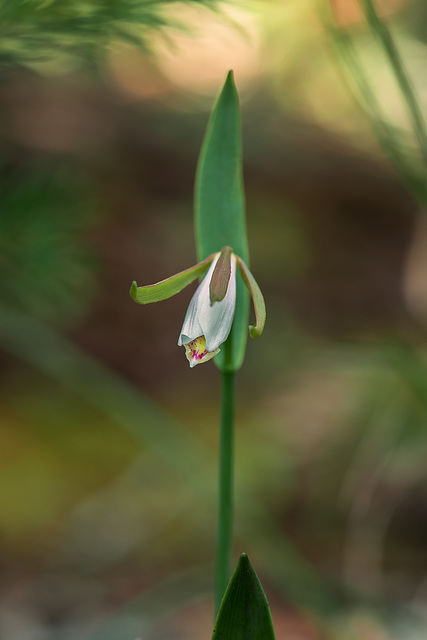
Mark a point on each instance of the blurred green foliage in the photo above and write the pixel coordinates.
(46, 265)
(63, 32)
(406, 150)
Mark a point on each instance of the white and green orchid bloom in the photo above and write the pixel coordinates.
(210, 313)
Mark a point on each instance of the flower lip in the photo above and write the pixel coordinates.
(197, 353)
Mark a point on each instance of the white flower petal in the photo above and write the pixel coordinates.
(191, 327)
(212, 322)
(216, 319)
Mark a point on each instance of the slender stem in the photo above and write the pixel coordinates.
(225, 511)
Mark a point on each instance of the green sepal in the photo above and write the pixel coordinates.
(244, 613)
(170, 286)
(257, 297)
(220, 208)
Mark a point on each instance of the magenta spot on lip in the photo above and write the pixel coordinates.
(198, 356)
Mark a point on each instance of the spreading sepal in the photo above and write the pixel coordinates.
(257, 297)
(170, 286)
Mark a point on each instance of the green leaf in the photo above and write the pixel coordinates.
(244, 613)
(168, 287)
(220, 207)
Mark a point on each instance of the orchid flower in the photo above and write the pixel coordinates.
(210, 314)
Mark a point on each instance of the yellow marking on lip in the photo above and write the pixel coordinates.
(197, 353)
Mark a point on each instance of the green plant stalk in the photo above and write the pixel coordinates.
(225, 506)
(384, 36)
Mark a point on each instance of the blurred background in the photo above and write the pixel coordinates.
(108, 442)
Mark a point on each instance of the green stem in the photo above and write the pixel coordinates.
(225, 511)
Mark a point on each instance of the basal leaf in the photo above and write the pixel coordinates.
(244, 613)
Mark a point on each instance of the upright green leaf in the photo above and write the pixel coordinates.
(220, 207)
(244, 613)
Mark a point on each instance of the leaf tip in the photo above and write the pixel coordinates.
(230, 83)
(244, 564)
(244, 613)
